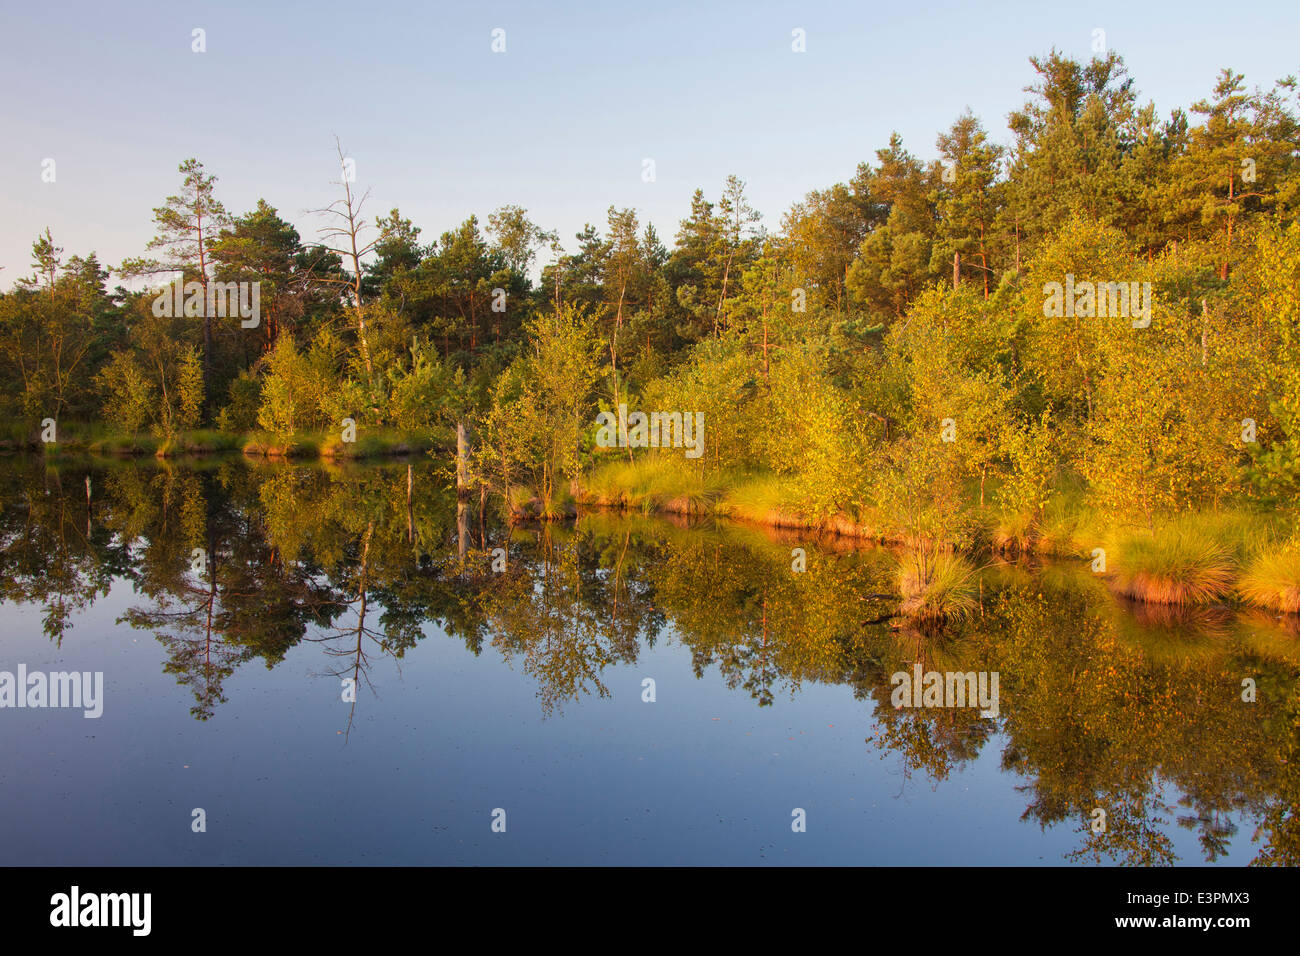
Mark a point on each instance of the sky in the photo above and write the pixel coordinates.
(560, 123)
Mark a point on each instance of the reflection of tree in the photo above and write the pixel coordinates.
(1096, 722)
(1132, 835)
(1216, 829)
(51, 553)
(1100, 707)
(931, 740)
(1280, 823)
(742, 608)
(538, 613)
(184, 614)
(349, 643)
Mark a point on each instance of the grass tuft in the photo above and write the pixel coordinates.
(936, 586)
(1177, 565)
(1272, 580)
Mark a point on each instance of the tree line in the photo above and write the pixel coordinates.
(829, 352)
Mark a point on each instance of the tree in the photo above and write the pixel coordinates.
(968, 200)
(261, 247)
(344, 237)
(188, 224)
(397, 251)
(51, 327)
(740, 238)
(892, 259)
(1071, 140)
(1234, 163)
(516, 237)
(543, 405)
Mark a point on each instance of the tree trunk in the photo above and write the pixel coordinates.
(462, 530)
(462, 460)
(410, 514)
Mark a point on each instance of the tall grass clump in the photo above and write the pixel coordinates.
(936, 586)
(650, 482)
(1179, 565)
(1272, 580)
(764, 498)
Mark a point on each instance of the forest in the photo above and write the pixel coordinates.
(1085, 343)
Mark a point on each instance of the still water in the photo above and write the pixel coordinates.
(619, 690)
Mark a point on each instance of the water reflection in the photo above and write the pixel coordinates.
(1103, 704)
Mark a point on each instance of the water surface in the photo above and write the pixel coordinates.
(229, 604)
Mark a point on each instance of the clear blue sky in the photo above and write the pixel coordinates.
(442, 127)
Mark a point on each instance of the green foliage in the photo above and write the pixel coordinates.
(301, 389)
(189, 387)
(1271, 288)
(426, 394)
(542, 403)
(240, 414)
(718, 381)
(1034, 463)
(128, 395)
(805, 431)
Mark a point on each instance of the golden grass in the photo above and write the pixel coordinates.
(649, 483)
(1272, 580)
(1178, 565)
(936, 586)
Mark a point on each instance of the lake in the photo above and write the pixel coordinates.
(305, 664)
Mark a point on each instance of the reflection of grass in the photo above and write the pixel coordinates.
(1272, 580)
(936, 586)
(1179, 565)
(1271, 635)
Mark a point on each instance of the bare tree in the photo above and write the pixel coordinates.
(343, 237)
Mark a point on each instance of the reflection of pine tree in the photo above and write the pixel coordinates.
(245, 602)
(198, 655)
